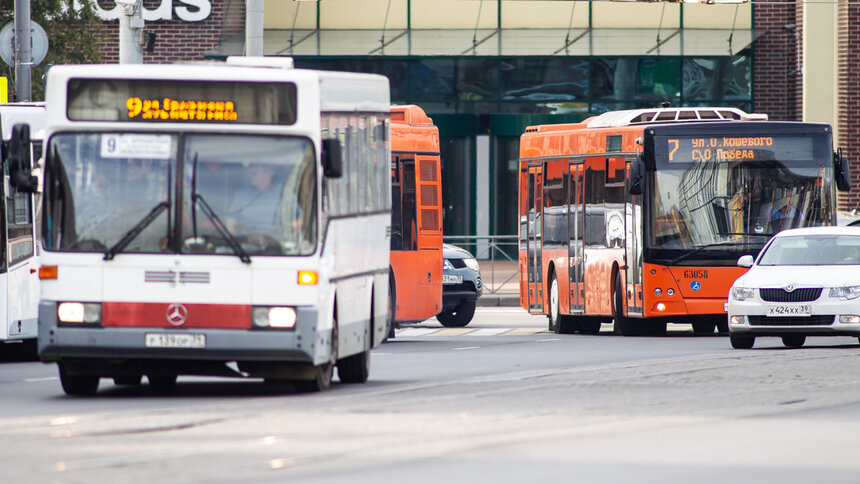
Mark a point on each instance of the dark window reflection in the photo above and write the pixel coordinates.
(717, 78)
(543, 79)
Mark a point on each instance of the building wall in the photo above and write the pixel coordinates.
(849, 97)
(776, 84)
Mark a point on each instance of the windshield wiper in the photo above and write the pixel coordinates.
(708, 246)
(136, 230)
(222, 229)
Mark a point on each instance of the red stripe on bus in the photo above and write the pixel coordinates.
(175, 315)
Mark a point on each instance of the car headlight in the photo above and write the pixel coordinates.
(742, 293)
(447, 264)
(845, 292)
(472, 264)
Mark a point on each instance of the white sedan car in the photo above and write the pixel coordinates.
(805, 282)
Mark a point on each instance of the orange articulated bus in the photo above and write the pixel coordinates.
(416, 216)
(640, 216)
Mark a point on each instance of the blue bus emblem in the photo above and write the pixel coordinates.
(695, 285)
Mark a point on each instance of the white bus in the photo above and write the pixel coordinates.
(19, 280)
(214, 220)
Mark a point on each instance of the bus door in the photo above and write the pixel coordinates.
(535, 202)
(22, 278)
(633, 249)
(576, 268)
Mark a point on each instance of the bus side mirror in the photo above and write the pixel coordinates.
(332, 158)
(842, 171)
(637, 176)
(20, 163)
(746, 261)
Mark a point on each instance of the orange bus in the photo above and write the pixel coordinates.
(416, 216)
(640, 216)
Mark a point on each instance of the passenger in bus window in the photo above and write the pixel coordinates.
(783, 218)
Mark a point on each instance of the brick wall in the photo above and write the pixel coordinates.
(849, 98)
(179, 40)
(777, 83)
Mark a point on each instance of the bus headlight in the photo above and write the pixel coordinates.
(845, 293)
(278, 317)
(742, 293)
(76, 312)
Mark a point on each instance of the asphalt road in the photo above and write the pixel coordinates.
(499, 401)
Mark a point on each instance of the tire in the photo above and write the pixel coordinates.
(589, 325)
(723, 325)
(741, 342)
(458, 317)
(558, 323)
(321, 380)
(794, 341)
(704, 327)
(162, 380)
(623, 325)
(128, 380)
(80, 385)
(392, 305)
(355, 368)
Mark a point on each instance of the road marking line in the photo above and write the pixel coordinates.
(452, 331)
(488, 331)
(34, 380)
(466, 348)
(523, 331)
(410, 332)
(550, 339)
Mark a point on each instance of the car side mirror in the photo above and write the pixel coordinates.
(746, 261)
(636, 177)
(20, 162)
(842, 171)
(332, 158)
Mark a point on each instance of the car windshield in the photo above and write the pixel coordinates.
(240, 195)
(812, 250)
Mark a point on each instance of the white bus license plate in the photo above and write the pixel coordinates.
(788, 311)
(451, 279)
(171, 340)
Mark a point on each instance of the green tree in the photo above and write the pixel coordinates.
(74, 37)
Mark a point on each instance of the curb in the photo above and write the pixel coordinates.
(492, 301)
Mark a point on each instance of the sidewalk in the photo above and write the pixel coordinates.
(501, 283)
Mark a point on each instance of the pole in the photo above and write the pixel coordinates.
(130, 27)
(23, 51)
(254, 28)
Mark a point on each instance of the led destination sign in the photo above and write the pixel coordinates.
(737, 148)
(181, 101)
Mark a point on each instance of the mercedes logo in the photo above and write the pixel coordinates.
(177, 314)
(789, 287)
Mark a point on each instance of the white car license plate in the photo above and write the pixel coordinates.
(788, 311)
(172, 340)
(451, 279)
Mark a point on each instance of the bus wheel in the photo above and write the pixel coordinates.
(704, 327)
(129, 380)
(741, 342)
(722, 325)
(392, 301)
(589, 325)
(78, 384)
(623, 325)
(321, 380)
(458, 317)
(161, 380)
(559, 323)
(355, 368)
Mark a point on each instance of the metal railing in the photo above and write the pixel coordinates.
(496, 251)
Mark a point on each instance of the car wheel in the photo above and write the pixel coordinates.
(793, 341)
(741, 342)
(458, 317)
(623, 325)
(83, 385)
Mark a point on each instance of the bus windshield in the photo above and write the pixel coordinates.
(732, 207)
(115, 192)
